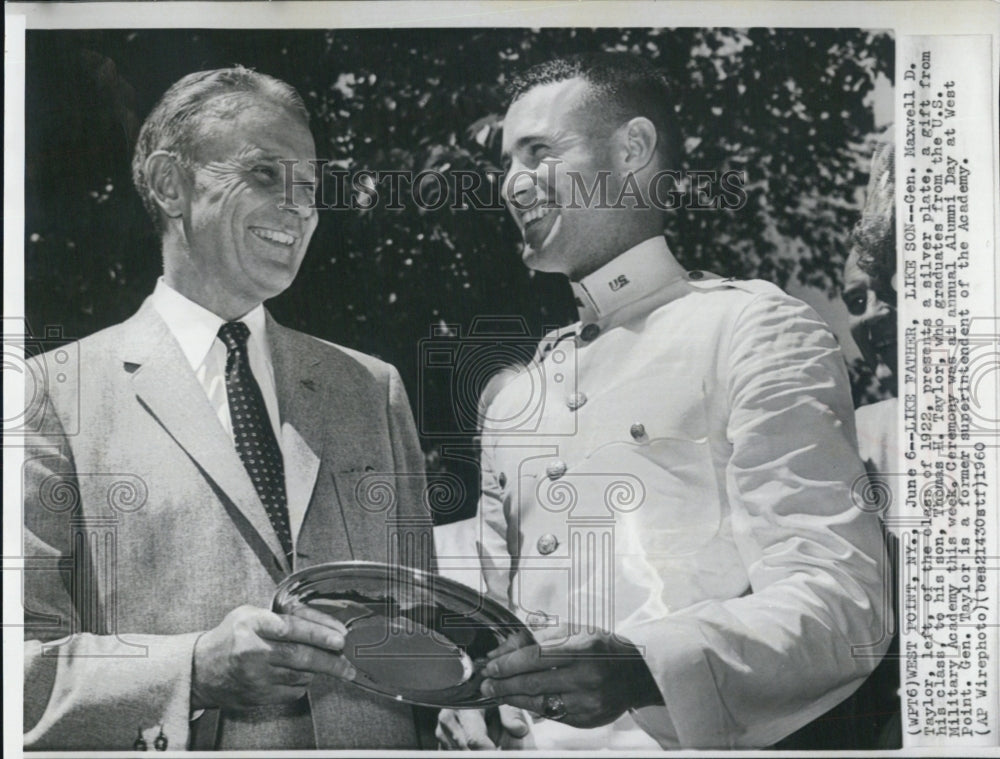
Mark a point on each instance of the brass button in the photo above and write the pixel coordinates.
(696, 274)
(590, 332)
(537, 620)
(502, 480)
(637, 431)
(547, 544)
(556, 469)
(576, 400)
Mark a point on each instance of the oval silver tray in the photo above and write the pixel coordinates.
(412, 636)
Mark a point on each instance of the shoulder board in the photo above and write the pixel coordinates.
(702, 280)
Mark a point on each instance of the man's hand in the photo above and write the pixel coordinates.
(471, 729)
(257, 657)
(598, 676)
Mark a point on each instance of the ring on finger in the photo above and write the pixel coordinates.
(553, 707)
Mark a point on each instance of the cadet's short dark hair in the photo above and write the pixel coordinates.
(622, 86)
(177, 120)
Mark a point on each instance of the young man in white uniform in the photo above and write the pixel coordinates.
(675, 521)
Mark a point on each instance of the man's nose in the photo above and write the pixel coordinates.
(302, 203)
(878, 309)
(520, 188)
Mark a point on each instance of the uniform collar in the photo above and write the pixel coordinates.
(636, 273)
(195, 327)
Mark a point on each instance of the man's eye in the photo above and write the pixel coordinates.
(538, 154)
(264, 172)
(856, 303)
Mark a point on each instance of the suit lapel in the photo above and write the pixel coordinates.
(316, 397)
(301, 395)
(305, 415)
(301, 468)
(166, 386)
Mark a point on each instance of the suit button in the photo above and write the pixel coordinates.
(537, 620)
(696, 274)
(556, 469)
(590, 332)
(637, 431)
(160, 744)
(502, 480)
(547, 544)
(576, 400)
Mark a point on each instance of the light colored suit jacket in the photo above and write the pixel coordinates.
(143, 529)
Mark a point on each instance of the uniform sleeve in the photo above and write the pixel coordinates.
(748, 671)
(84, 690)
(413, 508)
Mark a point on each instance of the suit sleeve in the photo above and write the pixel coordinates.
(83, 687)
(748, 671)
(413, 505)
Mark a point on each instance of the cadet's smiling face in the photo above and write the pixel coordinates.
(549, 135)
(871, 309)
(242, 247)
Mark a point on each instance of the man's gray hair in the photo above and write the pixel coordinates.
(177, 120)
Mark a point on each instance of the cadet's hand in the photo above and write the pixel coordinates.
(256, 657)
(463, 729)
(597, 676)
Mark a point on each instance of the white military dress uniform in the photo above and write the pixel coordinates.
(677, 467)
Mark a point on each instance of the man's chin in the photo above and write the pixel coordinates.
(542, 260)
(885, 373)
(276, 279)
(886, 357)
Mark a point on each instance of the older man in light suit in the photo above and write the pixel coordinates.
(202, 454)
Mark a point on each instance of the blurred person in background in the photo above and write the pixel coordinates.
(870, 296)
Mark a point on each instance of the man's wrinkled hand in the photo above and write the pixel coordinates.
(478, 729)
(255, 656)
(597, 676)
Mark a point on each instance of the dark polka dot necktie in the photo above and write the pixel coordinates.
(253, 433)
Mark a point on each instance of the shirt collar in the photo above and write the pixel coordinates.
(636, 273)
(195, 327)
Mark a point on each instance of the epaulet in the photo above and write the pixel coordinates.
(703, 280)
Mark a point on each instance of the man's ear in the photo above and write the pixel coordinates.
(637, 143)
(167, 182)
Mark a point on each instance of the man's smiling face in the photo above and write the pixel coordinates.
(552, 139)
(243, 248)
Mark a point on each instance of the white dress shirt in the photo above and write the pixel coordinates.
(197, 330)
(678, 466)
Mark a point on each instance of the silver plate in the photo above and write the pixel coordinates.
(411, 635)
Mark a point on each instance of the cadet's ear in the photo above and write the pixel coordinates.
(167, 182)
(637, 140)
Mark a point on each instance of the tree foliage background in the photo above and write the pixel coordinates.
(787, 107)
